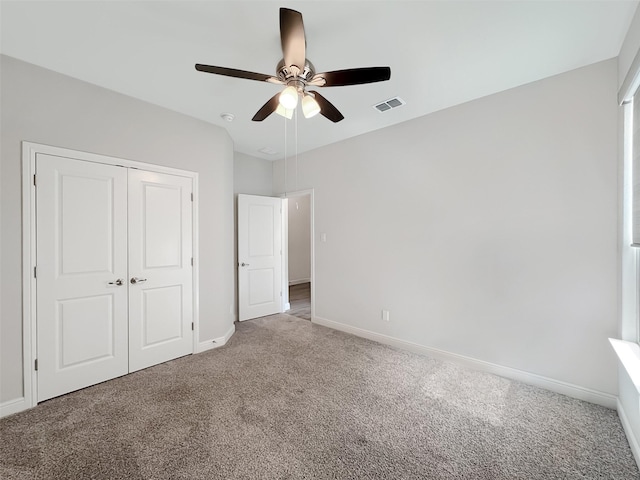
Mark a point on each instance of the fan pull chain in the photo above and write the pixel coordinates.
(296, 162)
(285, 155)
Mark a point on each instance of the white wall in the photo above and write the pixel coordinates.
(488, 230)
(299, 239)
(41, 106)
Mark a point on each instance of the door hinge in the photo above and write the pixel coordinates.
(34, 180)
(35, 364)
(192, 326)
(192, 197)
(280, 292)
(35, 275)
(192, 261)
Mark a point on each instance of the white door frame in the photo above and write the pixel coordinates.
(29, 151)
(285, 257)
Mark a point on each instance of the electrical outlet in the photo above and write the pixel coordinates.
(385, 315)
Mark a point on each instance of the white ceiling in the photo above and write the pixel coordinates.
(441, 53)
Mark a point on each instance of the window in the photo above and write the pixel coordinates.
(630, 248)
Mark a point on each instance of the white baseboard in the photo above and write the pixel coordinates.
(569, 389)
(631, 438)
(298, 282)
(216, 342)
(287, 307)
(13, 406)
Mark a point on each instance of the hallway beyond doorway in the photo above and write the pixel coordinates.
(300, 300)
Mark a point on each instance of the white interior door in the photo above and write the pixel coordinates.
(160, 270)
(81, 254)
(259, 256)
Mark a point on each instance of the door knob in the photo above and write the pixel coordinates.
(117, 282)
(244, 264)
(135, 280)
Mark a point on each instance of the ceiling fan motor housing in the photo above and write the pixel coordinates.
(290, 75)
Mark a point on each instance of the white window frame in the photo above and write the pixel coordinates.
(630, 259)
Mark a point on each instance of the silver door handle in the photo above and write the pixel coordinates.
(135, 280)
(117, 282)
(244, 264)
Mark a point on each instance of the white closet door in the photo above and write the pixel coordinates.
(160, 271)
(81, 254)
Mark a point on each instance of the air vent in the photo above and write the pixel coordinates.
(389, 104)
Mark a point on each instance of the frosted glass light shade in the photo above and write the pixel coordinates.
(289, 98)
(310, 107)
(284, 112)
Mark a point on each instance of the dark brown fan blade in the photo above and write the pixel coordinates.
(352, 76)
(267, 109)
(292, 38)
(327, 109)
(232, 72)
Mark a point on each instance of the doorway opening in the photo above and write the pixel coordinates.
(299, 262)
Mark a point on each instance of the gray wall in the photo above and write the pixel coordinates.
(251, 176)
(299, 236)
(488, 229)
(629, 48)
(41, 106)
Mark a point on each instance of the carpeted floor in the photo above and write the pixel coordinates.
(287, 399)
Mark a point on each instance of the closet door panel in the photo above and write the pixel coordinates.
(160, 252)
(81, 252)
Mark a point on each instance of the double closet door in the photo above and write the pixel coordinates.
(114, 271)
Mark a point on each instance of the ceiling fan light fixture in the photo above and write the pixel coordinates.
(289, 97)
(284, 112)
(296, 72)
(310, 107)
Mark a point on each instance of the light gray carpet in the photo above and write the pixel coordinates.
(289, 399)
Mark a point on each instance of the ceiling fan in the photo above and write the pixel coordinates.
(297, 73)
